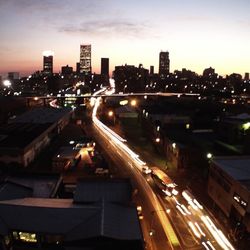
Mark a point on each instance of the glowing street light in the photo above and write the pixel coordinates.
(110, 113)
(157, 140)
(7, 83)
(209, 155)
(133, 103)
(246, 126)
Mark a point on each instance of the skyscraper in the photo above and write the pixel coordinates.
(48, 62)
(164, 64)
(105, 66)
(151, 70)
(78, 68)
(85, 59)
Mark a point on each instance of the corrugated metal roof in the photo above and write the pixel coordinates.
(112, 190)
(237, 167)
(75, 222)
(10, 190)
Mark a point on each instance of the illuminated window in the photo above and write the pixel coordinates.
(239, 200)
(23, 236)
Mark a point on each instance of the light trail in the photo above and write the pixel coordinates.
(53, 104)
(138, 163)
(190, 216)
(195, 231)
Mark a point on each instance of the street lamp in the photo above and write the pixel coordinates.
(157, 140)
(7, 83)
(111, 116)
(110, 113)
(125, 88)
(209, 155)
(133, 103)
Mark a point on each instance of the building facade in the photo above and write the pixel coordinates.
(164, 64)
(229, 188)
(151, 70)
(66, 70)
(12, 76)
(85, 59)
(105, 66)
(48, 62)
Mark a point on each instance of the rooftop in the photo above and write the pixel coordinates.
(42, 115)
(20, 135)
(74, 222)
(111, 190)
(29, 185)
(237, 167)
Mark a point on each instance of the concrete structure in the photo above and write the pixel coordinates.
(105, 66)
(151, 72)
(66, 70)
(48, 62)
(85, 59)
(229, 187)
(77, 68)
(23, 138)
(13, 76)
(164, 64)
(129, 78)
(209, 72)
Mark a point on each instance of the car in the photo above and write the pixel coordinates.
(139, 212)
(101, 171)
(146, 170)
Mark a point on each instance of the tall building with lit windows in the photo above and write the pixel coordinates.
(48, 62)
(164, 64)
(85, 59)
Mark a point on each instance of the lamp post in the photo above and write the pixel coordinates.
(111, 115)
(125, 88)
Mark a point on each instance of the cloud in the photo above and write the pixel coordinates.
(108, 27)
(27, 5)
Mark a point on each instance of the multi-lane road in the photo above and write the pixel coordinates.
(168, 222)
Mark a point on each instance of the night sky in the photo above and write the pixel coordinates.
(197, 33)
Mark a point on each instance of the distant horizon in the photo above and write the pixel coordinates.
(57, 69)
(197, 34)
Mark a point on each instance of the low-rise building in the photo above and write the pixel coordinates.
(100, 216)
(30, 185)
(229, 187)
(24, 137)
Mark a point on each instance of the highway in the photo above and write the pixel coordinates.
(170, 222)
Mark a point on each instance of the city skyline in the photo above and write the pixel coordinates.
(197, 34)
